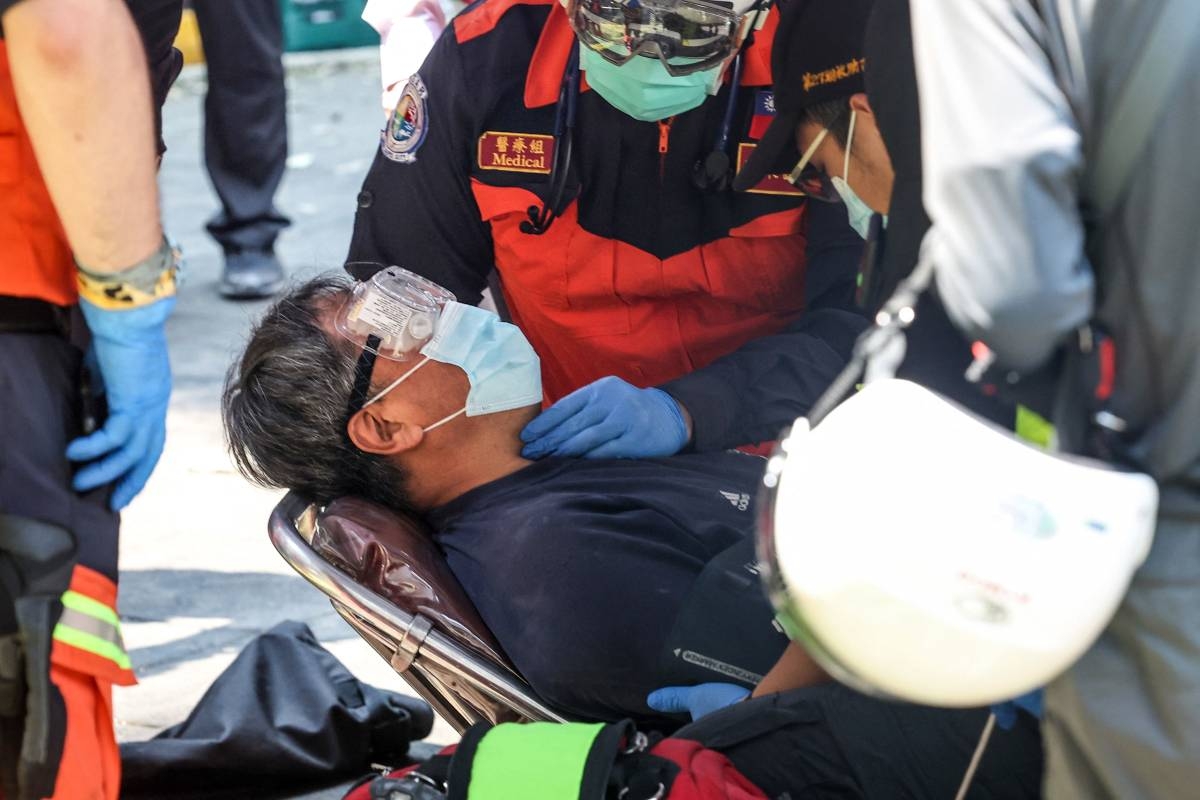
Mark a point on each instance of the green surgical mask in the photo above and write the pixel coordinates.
(642, 87)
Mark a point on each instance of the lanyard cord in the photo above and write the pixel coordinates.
(969, 776)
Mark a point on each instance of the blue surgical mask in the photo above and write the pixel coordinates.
(501, 365)
(642, 87)
(860, 213)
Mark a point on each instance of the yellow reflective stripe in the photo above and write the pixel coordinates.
(90, 625)
(93, 608)
(92, 644)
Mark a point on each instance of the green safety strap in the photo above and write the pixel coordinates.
(1033, 428)
(536, 761)
(92, 626)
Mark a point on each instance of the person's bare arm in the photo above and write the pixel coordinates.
(82, 86)
(794, 669)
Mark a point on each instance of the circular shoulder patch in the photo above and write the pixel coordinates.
(408, 125)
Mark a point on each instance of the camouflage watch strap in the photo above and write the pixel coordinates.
(148, 281)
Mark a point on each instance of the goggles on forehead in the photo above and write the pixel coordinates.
(392, 315)
(810, 180)
(687, 36)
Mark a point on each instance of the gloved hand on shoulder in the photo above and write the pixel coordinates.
(696, 700)
(130, 347)
(1006, 713)
(608, 418)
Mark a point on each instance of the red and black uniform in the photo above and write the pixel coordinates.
(58, 548)
(644, 275)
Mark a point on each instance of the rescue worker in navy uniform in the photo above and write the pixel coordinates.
(80, 240)
(584, 152)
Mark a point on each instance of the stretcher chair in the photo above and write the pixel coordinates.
(386, 578)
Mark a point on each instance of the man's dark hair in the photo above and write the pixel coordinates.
(831, 114)
(285, 405)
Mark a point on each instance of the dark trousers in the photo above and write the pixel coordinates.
(830, 742)
(245, 118)
(45, 528)
(42, 412)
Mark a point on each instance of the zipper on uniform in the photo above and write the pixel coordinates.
(664, 144)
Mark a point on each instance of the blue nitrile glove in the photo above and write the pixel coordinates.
(131, 351)
(696, 700)
(608, 419)
(1006, 713)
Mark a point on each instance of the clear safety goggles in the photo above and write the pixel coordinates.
(392, 315)
(687, 36)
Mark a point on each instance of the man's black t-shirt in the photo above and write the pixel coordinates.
(589, 573)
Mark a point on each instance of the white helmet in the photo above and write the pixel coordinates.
(921, 553)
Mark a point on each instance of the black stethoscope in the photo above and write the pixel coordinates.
(540, 219)
(711, 173)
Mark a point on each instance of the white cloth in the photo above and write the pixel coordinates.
(407, 30)
(1013, 102)
(1002, 156)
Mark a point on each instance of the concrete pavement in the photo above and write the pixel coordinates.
(199, 577)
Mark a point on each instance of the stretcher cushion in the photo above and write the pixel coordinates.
(394, 555)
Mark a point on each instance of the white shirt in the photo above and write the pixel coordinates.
(407, 30)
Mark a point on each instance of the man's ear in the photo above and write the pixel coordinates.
(371, 432)
(860, 103)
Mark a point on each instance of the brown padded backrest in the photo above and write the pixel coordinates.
(394, 555)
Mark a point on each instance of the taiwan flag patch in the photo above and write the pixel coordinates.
(764, 113)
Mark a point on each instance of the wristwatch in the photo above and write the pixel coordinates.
(148, 281)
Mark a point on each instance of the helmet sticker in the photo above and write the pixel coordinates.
(405, 131)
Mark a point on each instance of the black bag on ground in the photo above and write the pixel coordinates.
(286, 713)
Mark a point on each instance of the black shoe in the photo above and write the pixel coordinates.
(251, 274)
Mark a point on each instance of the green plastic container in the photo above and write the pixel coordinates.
(325, 25)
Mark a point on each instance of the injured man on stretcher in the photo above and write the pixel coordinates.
(602, 580)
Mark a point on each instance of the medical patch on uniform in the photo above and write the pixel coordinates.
(516, 152)
(408, 125)
(764, 113)
(770, 184)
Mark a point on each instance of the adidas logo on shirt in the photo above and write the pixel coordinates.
(740, 501)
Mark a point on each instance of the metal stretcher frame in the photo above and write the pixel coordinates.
(462, 686)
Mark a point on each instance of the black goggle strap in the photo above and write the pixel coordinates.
(362, 375)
